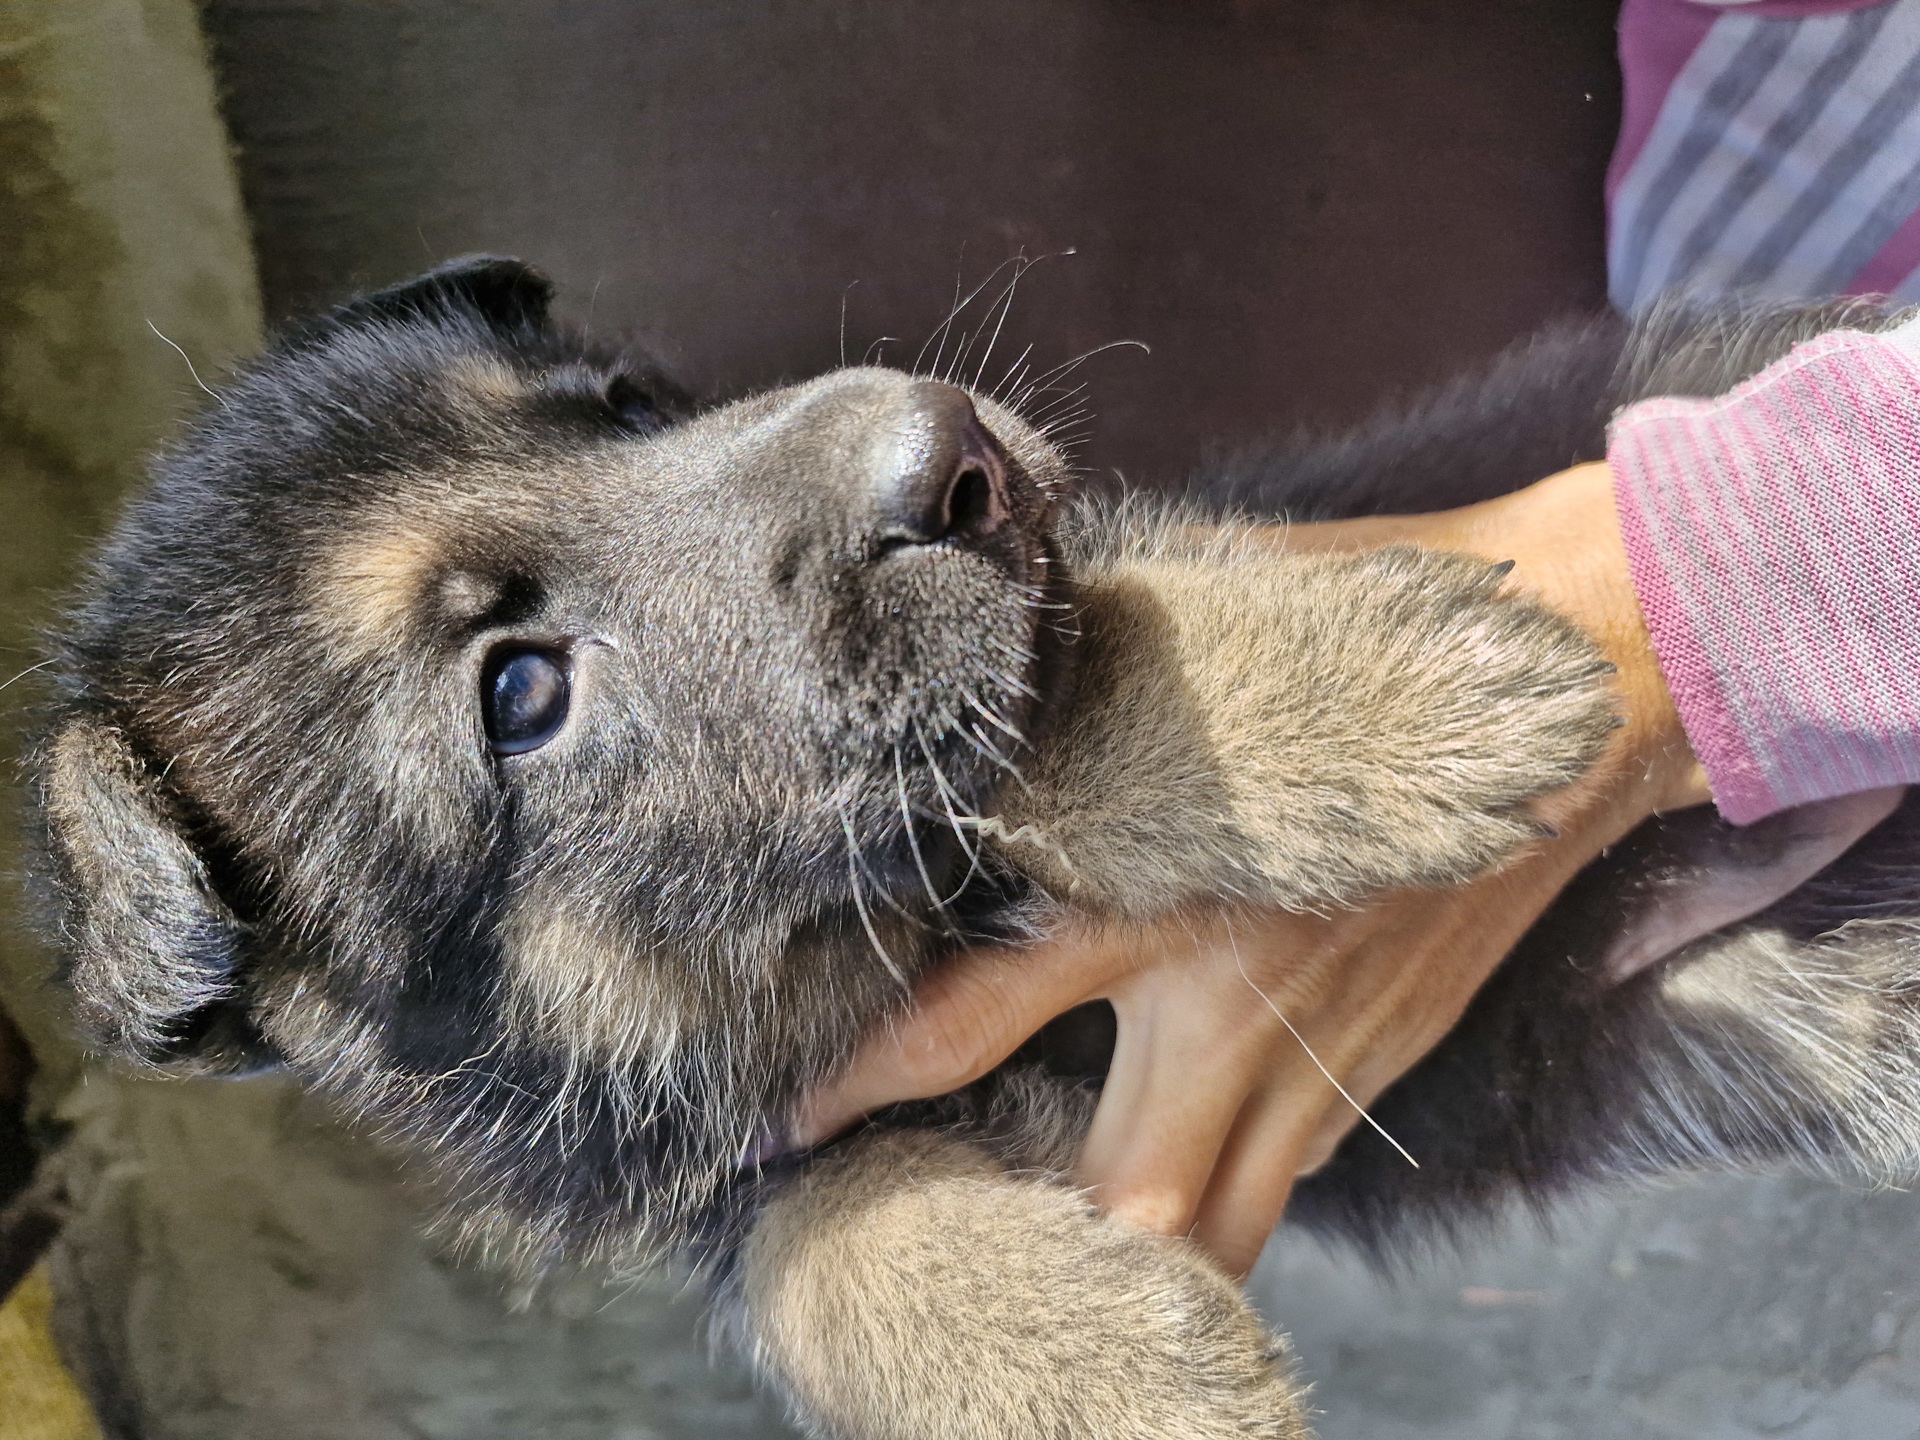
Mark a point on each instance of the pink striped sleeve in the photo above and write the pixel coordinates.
(1772, 538)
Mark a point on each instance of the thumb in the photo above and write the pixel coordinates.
(967, 1017)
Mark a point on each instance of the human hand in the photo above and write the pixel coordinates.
(1249, 1042)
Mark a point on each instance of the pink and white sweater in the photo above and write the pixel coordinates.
(1774, 539)
(1767, 147)
(1772, 147)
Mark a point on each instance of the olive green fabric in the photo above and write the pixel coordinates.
(120, 224)
(38, 1399)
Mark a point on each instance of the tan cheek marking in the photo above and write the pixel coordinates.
(586, 993)
(368, 587)
(484, 384)
(367, 584)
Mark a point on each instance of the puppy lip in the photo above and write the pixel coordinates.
(1016, 546)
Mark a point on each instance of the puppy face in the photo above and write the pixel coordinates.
(557, 779)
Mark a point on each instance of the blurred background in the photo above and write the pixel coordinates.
(1297, 209)
(1296, 206)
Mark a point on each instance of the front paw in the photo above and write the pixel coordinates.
(907, 1288)
(1299, 730)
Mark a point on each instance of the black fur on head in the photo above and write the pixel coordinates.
(555, 775)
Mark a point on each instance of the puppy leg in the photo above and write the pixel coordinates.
(911, 1289)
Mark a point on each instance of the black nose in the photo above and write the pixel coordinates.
(946, 477)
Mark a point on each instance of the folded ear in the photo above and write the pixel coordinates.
(508, 294)
(152, 952)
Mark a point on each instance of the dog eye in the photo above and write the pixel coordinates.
(523, 697)
(634, 406)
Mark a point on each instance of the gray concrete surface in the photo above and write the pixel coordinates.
(239, 1269)
(1729, 1309)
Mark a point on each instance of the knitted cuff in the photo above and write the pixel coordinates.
(1772, 539)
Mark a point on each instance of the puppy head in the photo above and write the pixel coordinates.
(556, 776)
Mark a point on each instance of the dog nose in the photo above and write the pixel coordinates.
(946, 477)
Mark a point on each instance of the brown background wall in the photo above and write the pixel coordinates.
(1296, 205)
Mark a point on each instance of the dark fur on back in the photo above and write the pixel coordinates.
(1465, 440)
(1538, 407)
(1556, 1077)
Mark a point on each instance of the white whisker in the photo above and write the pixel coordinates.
(26, 672)
(1019, 364)
(190, 370)
(950, 800)
(959, 305)
(913, 834)
(1005, 304)
(860, 906)
(1358, 1108)
(843, 320)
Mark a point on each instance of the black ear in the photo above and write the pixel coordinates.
(508, 294)
(152, 953)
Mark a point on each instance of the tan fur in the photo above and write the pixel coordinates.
(1297, 730)
(96, 798)
(911, 1289)
(584, 991)
(483, 385)
(370, 586)
(403, 562)
(1290, 729)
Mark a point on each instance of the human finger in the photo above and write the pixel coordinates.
(1250, 1187)
(1173, 1090)
(1308, 1091)
(967, 1017)
(1200, 1034)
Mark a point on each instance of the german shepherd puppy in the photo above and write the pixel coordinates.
(560, 780)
